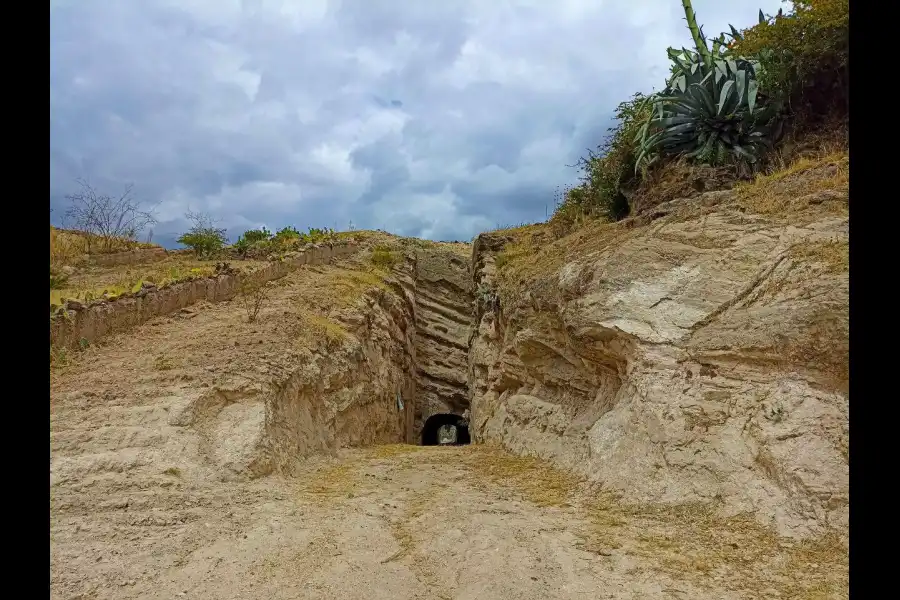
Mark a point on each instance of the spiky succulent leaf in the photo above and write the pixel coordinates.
(711, 121)
(752, 90)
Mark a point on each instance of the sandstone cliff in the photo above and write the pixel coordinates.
(699, 353)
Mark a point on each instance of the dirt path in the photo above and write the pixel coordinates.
(393, 522)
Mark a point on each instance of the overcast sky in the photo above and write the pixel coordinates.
(433, 119)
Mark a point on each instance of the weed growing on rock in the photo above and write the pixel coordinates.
(485, 297)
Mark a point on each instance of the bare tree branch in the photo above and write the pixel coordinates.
(114, 221)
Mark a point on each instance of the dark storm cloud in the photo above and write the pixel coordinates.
(431, 119)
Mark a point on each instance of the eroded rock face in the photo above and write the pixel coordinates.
(349, 396)
(217, 397)
(443, 324)
(701, 357)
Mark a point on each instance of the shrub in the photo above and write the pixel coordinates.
(290, 236)
(204, 238)
(805, 56)
(253, 295)
(255, 235)
(205, 242)
(286, 236)
(112, 222)
(253, 240)
(314, 235)
(607, 174)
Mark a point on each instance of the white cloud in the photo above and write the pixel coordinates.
(432, 119)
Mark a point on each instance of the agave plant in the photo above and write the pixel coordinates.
(712, 121)
(712, 109)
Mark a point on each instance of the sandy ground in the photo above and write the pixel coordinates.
(390, 522)
(417, 524)
(367, 527)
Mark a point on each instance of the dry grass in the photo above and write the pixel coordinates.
(347, 286)
(393, 450)
(325, 293)
(392, 242)
(68, 247)
(315, 329)
(335, 481)
(679, 179)
(788, 190)
(402, 529)
(384, 258)
(693, 542)
(834, 255)
(533, 255)
(163, 363)
(537, 480)
(93, 281)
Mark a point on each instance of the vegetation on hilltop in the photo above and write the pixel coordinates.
(725, 107)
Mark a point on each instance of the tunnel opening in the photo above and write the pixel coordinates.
(445, 430)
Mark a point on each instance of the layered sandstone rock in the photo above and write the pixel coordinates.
(698, 354)
(443, 324)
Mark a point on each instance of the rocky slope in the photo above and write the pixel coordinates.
(699, 353)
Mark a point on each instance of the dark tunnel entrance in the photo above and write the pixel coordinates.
(445, 429)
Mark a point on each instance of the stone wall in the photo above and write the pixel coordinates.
(77, 321)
